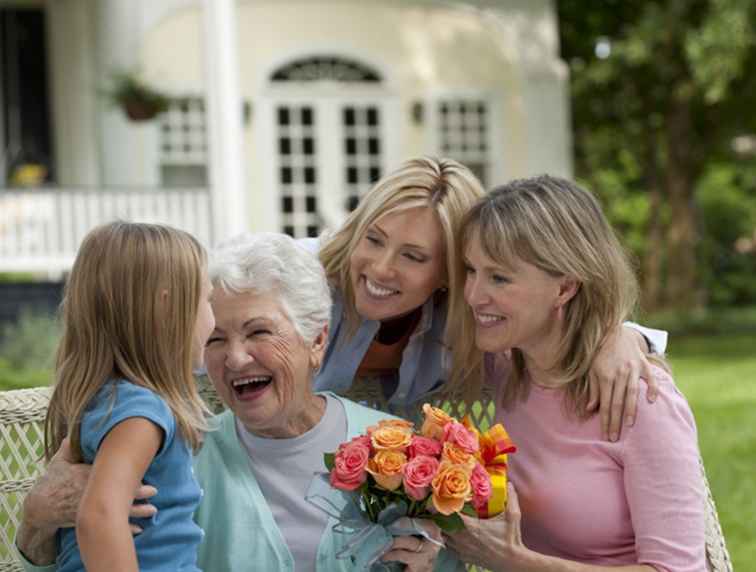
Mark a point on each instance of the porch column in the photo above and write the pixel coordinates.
(128, 149)
(224, 113)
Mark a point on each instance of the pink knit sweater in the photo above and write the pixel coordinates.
(639, 500)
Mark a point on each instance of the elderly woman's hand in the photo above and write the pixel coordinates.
(614, 378)
(418, 554)
(54, 499)
(53, 502)
(494, 543)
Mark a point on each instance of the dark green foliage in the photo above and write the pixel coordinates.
(727, 197)
(654, 126)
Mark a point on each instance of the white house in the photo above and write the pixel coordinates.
(331, 94)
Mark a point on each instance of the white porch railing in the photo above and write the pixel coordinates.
(41, 229)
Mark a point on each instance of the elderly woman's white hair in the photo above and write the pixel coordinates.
(273, 262)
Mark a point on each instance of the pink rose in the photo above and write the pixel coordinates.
(362, 439)
(480, 482)
(423, 446)
(461, 436)
(418, 474)
(350, 462)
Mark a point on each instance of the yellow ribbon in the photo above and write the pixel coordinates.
(494, 445)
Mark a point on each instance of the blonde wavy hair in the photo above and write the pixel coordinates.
(444, 185)
(129, 311)
(560, 228)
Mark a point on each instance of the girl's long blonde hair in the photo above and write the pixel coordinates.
(129, 311)
(560, 228)
(444, 185)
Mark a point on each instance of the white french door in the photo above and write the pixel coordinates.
(327, 153)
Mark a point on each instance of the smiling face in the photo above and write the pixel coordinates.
(259, 364)
(398, 264)
(513, 307)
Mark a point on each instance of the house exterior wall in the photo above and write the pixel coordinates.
(503, 52)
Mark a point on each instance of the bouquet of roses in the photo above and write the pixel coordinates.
(446, 468)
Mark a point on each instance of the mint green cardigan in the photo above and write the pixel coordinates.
(240, 531)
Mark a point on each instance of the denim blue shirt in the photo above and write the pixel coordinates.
(171, 538)
(424, 361)
(422, 370)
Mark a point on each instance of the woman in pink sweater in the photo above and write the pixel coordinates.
(546, 279)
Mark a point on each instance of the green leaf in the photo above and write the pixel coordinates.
(469, 510)
(449, 524)
(329, 460)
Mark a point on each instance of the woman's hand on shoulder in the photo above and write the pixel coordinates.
(614, 380)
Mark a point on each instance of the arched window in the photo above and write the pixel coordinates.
(326, 68)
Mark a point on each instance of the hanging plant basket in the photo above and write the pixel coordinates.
(139, 101)
(137, 110)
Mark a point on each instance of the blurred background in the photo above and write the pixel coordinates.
(218, 116)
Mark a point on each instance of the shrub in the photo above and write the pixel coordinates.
(30, 343)
(13, 378)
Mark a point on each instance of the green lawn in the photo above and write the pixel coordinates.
(718, 375)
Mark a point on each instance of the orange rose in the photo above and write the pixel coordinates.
(390, 437)
(468, 422)
(435, 421)
(399, 423)
(451, 488)
(457, 456)
(387, 468)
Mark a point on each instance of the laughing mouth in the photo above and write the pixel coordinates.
(377, 291)
(488, 319)
(250, 384)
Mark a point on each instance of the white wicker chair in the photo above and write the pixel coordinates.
(22, 414)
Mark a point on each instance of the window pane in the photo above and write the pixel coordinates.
(298, 174)
(362, 144)
(183, 143)
(463, 134)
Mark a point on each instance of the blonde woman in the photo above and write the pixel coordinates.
(546, 283)
(136, 317)
(394, 339)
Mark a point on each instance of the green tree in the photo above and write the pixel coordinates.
(659, 91)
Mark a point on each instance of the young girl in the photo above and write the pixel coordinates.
(136, 317)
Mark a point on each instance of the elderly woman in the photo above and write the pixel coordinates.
(272, 303)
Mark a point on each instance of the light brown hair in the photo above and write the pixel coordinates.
(129, 311)
(560, 228)
(444, 185)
